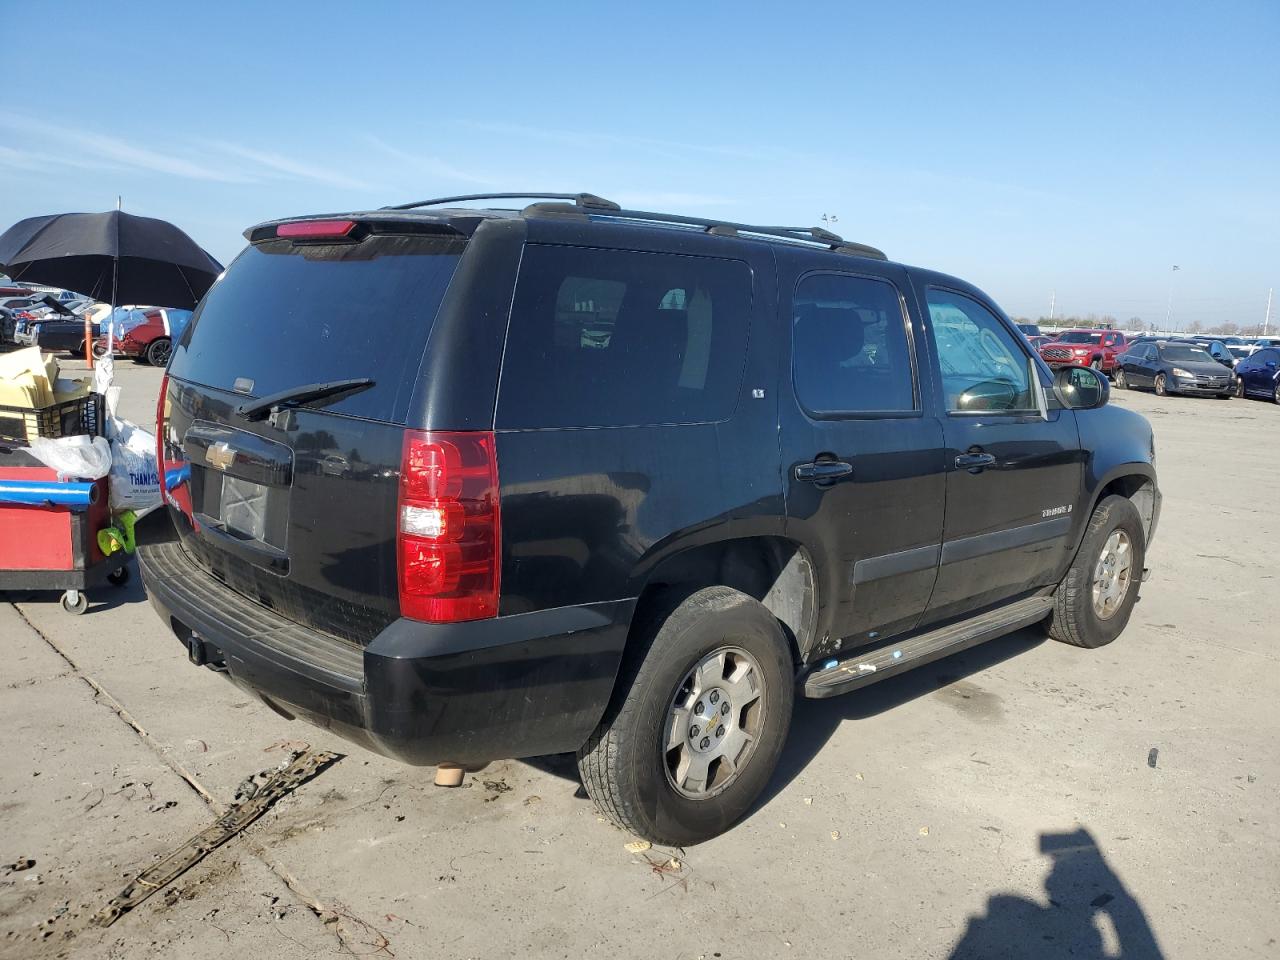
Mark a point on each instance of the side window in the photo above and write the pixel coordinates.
(850, 349)
(983, 368)
(611, 338)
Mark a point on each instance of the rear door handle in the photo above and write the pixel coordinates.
(823, 470)
(975, 461)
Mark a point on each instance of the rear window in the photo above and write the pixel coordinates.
(287, 315)
(608, 338)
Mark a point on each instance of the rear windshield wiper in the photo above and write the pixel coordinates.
(258, 409)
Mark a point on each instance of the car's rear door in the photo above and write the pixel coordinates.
(1013, 461)
(296, 508)
(861, 453)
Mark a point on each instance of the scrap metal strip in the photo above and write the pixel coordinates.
(282, 781)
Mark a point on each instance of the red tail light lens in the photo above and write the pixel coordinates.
(161, 425)
(449, 527)
(315, 229)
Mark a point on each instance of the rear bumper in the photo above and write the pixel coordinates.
(523, 685)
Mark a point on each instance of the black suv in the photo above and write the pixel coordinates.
(467, 484)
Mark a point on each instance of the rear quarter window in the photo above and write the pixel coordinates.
(610, 338)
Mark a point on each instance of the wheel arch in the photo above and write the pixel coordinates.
(773, 569)
(1134, 481)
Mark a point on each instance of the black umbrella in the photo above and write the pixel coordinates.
(114, 257)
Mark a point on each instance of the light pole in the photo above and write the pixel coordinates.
(1168, 313)
(830, 219)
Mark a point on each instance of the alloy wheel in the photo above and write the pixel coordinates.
(1112, 575)
(713, 723)
(1160, 385)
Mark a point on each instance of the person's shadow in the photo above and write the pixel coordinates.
(1090, 913)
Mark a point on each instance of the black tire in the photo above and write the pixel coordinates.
(1275, 393)
(1122, 382)
(158, 352)
(1240, 390)
(1224, 396)
(1161, 385)
(1074, 619)
(624, 765)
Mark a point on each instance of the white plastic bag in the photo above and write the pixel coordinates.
(135, 483)
(75, 458)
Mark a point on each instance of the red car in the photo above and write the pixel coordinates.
(1085, 348)
(148, 341)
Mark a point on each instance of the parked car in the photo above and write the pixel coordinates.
(1089, 348)
(1242, 350)
(1173, 367)
(7, 325)
(586, 479)
(1215, 348)
(1038, 342)
(1261, 342)
(145, 334)
(1030, 330)
(59, 330)
(1259, 375)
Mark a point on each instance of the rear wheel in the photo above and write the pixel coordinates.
(158, 352)
(697, 722)
(1162, 385)
(1240, 391)
(1094, 600)
(1121, 382)
(1275, 393)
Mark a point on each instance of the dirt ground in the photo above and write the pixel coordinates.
(1024, 799)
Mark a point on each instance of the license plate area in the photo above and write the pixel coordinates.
(243, 510)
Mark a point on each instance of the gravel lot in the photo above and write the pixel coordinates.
(1023, 799)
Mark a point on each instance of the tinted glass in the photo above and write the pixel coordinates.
(1186, 354)
(1080, 336)
(605, 338)
(983, 368)
(285, 316)
(851, 352)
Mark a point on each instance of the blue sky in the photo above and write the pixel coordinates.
(1028, 147)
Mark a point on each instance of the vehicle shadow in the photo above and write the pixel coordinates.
(1090, 913)
(815, 721)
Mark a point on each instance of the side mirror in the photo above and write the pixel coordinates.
(1081, 388)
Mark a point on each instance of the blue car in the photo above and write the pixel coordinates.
(1258, 375)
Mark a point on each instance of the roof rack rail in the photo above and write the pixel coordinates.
(722, 228)
(588, 201)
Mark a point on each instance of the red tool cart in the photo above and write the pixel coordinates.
(49, 529)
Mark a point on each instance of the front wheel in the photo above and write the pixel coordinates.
(1094, 600)
(1275, 393)
(99, 349)
(1162, 385)
(697, 722)
(158, 352)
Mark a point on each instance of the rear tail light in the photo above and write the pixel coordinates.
(316, 229)
(449, 527)
(162, 417)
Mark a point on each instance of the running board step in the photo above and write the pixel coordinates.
(858, 670)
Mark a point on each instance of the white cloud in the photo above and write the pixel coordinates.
(275, 164)
(432, 166)
(63, 143)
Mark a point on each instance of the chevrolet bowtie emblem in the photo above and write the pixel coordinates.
(220, 456)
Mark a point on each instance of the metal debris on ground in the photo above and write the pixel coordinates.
(294, 771)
